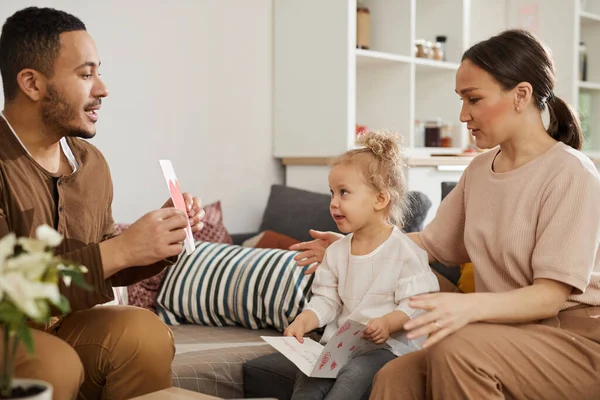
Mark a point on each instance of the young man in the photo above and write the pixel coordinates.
(48, 175)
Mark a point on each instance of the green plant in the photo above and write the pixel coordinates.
(29, 288)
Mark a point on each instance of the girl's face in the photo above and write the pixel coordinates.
(353, 201)
(487, 109)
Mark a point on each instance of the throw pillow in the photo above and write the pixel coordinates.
(214, 230)
(466, 282)
(274, 240)
(224, 285)
(143, 294)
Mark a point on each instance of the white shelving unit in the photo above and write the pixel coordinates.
(562, 25)
(324, 86)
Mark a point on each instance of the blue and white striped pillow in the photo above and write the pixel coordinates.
(221, 284)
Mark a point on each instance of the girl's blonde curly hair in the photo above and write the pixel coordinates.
(383, 165)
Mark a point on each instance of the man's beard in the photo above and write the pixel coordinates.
(57, 113)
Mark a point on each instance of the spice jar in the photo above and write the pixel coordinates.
(446, 135)
(363, 26)
(433, 133)
(421, 50)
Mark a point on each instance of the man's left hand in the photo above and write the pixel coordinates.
(194, 210)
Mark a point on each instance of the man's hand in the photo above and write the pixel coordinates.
(194, 211)
(296, 329)
(154, 237)
(378, 331)
(314, 251)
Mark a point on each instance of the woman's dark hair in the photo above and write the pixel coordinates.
(516, 56)
(31, 39)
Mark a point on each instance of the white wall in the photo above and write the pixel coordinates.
(190, 81)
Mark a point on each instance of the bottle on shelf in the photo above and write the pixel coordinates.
(363, 26)
(439, 48)
(446, 135)
(583, 58)
(433, 133)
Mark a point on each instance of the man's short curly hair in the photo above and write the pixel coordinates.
(31, 39)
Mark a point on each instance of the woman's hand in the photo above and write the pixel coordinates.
(447, 313)
(314, 251)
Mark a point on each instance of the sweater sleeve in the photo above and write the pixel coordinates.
(443, 237)
(326, 302)
(416, 278)
(568, 230)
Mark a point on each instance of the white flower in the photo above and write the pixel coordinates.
(32, 245)
(7, 248)
(48, 235)
(31, 265)
(24, 293)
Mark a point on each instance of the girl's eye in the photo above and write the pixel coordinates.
(344, 192)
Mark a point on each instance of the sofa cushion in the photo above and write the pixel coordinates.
(293, 212)
(221, 284)
(210, 359)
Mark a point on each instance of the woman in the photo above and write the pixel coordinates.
(526, 215)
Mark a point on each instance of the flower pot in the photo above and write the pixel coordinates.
(29, 384)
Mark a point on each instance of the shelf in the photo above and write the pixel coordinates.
(589, 85)
(426, 64)
(588, 17)
(370, 58)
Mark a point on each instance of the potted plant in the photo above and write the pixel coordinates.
(29, 277)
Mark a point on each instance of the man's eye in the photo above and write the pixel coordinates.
(86, 76)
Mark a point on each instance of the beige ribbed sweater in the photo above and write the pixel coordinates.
(541, 220)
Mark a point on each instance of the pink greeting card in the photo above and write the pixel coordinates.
(178, 201)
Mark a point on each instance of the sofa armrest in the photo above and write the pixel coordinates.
(239, 238)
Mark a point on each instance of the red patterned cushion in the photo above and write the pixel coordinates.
(214, 230)
(143, 294)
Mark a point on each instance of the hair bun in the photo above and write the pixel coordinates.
(382, 144)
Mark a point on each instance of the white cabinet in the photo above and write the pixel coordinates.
(562, 25)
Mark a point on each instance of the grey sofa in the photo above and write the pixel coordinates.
(234, 362)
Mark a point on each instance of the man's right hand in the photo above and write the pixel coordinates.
(157, 235)
(314, 251)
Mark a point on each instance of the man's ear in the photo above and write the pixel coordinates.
(382, 200)
(32, 83)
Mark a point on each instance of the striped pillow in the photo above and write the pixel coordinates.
(222, 284)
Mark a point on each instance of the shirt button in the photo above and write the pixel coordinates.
(60, 182)
(60, 209)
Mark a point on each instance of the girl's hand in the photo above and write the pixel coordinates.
(297, 330)
(448, 312)
(378, 331)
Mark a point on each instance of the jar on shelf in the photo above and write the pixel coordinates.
(446, 135)
(437, 52)
(363, 26)
(583, 59)
(419, 134)
(440, 44)
(421, 50)
(433, 133)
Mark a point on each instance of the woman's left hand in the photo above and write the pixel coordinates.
(447, 313)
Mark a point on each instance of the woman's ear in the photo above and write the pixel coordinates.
(523, 95)
(382, 200)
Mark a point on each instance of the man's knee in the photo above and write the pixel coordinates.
(144, 338)
(55, 362)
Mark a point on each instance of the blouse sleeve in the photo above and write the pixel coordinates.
(325, 301)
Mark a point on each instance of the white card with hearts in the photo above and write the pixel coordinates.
(318, 361)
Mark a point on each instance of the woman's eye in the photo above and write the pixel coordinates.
(473, 100)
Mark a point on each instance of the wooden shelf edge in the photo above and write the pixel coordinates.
(413, 162)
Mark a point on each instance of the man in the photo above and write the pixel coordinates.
(48, 175)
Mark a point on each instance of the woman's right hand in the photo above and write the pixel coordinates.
(314, 251)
